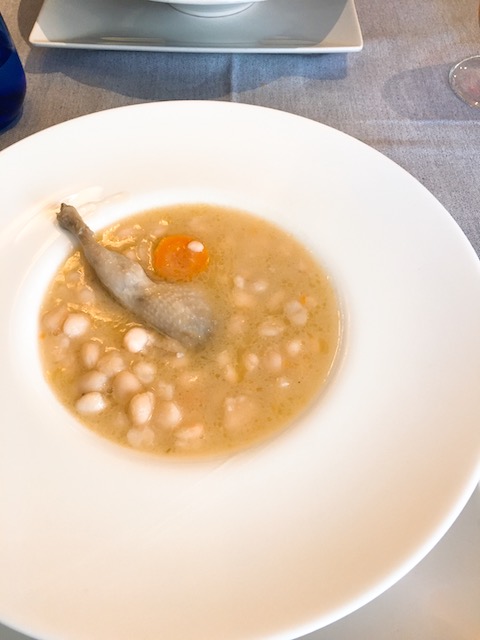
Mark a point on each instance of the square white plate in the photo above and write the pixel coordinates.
(273, 26)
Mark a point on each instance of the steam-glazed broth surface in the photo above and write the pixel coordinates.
(277, 327)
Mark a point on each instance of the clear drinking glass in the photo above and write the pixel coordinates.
(464, 78)
(12, 80)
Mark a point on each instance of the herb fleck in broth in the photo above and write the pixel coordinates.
(276, 336)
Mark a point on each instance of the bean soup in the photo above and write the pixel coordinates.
(277, 331)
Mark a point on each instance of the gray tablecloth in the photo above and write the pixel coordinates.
(394, 95)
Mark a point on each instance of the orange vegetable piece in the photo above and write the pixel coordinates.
(179, 257)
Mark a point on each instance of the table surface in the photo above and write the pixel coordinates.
(393, 95)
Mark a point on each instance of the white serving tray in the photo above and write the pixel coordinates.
(273, 26)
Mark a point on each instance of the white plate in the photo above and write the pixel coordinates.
(96, 542)
(273, 26)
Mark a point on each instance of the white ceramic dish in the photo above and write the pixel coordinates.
(272, 543)
(209, 8)
(273, 26)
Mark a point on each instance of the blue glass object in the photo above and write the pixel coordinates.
(12, 80)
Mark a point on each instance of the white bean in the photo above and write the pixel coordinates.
(251, 361)
(90, 353)
(53, 320)
(276, 300)
(136, 339)
(145, 371)
(237, 324)
(243, 299)
(92, 381)
(76, 324)
(111, 363)
(140, 408)
(230, 374)
(239, 282)
(119, 419)
(189, 437)
(125, 385)
(273, 361)
(141, 437)
(165, 390)
(92, 402)
(238, 413)
(224, 358)
(126, 233)
(311, 302)
(168, 415)
(259, 286)
(58, 347)
(73, 277)
(296, 313)
(271, 328)
(86, 296)
(294, 347)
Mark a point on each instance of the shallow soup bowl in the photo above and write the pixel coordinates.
(291, 534)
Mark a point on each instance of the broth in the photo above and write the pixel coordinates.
(276, 335)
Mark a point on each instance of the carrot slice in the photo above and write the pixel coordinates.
(180, 257)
